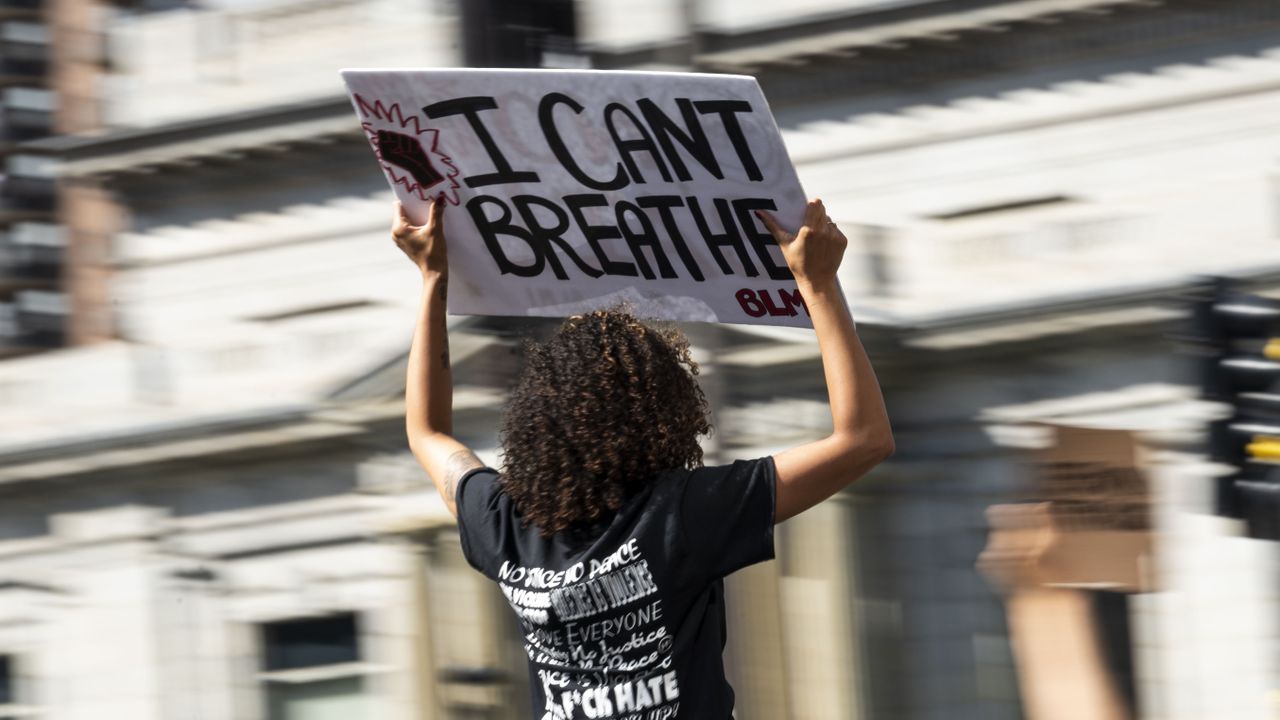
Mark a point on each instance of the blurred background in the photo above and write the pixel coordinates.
(1064, 223)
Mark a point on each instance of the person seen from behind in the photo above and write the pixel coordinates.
(606, 533)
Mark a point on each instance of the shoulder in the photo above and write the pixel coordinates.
(485, 473)
(478, 487)
(710, 479)
(742, 470)
(728, 513)
(481, 522)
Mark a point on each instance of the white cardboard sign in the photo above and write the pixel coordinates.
(568, 190)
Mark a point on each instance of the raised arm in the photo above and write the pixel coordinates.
(861, 437)
(428, 392)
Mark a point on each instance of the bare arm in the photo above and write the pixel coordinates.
(861, 437)
(428, 396)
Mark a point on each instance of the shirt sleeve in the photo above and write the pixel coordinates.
(727, 512)
(479, 517)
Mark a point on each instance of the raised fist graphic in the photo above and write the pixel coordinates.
(406, 152)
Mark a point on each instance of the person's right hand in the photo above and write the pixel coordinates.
(423, 244)
(814, 251)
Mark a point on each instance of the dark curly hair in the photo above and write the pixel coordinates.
(600, 409)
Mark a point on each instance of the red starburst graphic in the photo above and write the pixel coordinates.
(409, 153)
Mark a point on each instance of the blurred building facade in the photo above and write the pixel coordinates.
(207, 508)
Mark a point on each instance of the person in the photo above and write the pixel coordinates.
(605, 532)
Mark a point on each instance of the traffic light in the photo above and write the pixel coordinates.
(1238, 348)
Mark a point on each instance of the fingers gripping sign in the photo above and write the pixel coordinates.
(814, 251)
(423, 244)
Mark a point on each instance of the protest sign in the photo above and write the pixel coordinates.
(569, 190)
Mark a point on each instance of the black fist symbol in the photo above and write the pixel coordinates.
(406, 152)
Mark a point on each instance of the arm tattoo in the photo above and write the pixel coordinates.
(455, 467)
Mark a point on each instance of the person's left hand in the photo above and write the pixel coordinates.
(424, 244)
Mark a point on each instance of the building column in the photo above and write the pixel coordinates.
(818, 604)
(106, 648)
(754, 657)
(92, 218)
(88, 212)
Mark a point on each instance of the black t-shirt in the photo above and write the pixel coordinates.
(630, 623)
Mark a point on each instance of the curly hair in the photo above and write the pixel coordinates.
(600, 409)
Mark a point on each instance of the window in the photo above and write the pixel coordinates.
(6, 681)
(312, 310)
(999, 207)
(332, 699)
(150, 6)
(12, 691)
(312, 669)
